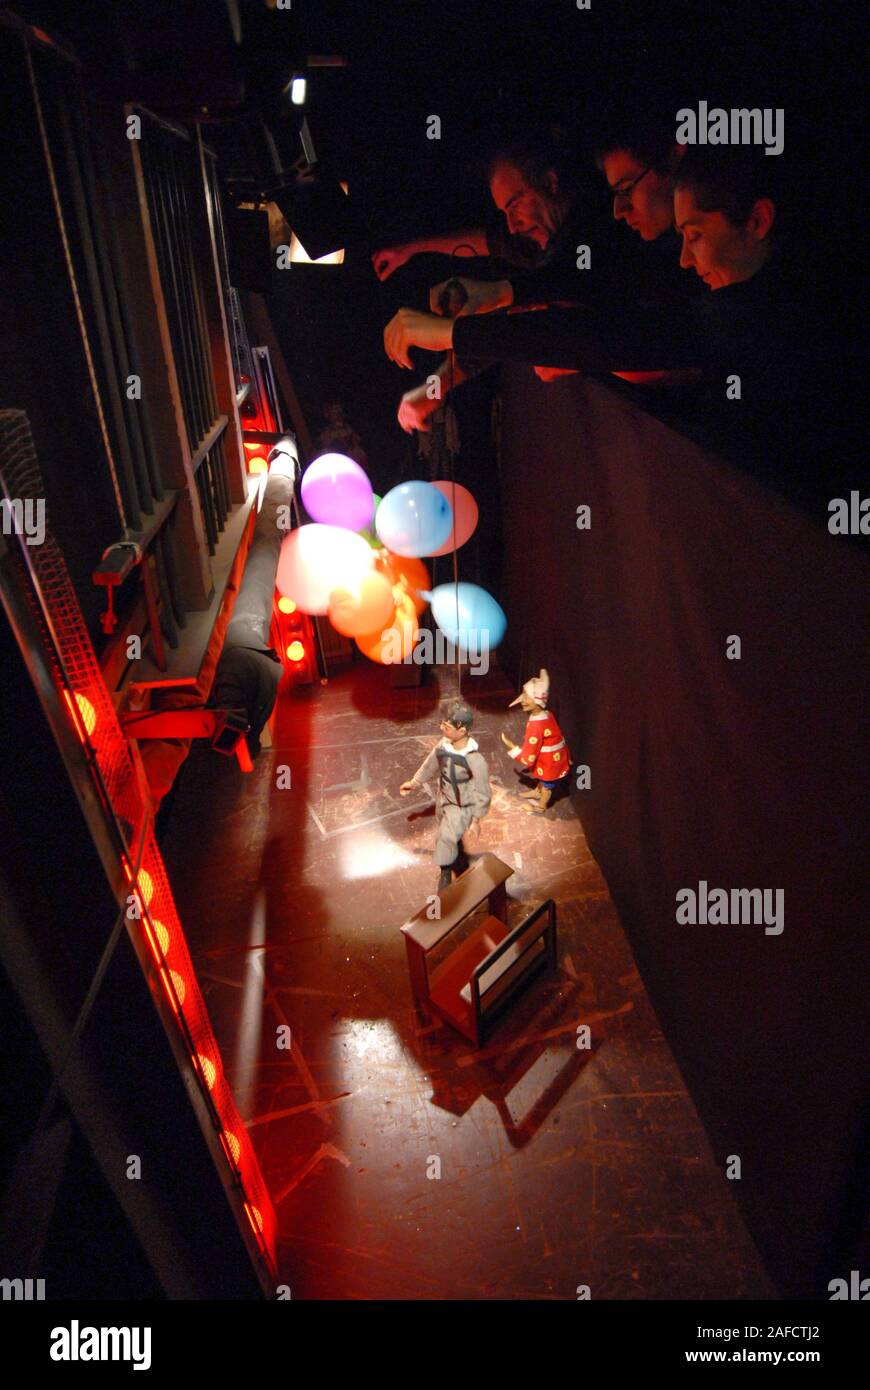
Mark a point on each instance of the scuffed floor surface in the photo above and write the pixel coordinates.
(403, 1165)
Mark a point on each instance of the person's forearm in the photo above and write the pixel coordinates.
(466, 243)
(449, 378)
(624, 340)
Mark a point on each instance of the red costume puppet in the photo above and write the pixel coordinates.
(544, 754)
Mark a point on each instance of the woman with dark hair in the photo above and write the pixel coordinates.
(726, 211)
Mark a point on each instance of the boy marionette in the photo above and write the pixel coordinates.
(544, 753)
(463, 792)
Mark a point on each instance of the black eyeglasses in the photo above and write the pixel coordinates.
(621, 194)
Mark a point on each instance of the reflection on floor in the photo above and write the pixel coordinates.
(402, 1164)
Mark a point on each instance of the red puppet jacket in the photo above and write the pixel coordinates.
(544, 752)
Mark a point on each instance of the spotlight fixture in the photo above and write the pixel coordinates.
(296, 89)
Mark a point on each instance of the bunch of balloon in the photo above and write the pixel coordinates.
(327, 566)
(359, 560)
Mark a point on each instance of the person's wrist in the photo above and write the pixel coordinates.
(506, 294)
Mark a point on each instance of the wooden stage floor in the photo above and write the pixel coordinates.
(403, 1165)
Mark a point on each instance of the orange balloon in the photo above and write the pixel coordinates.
(413, 570)
(395, 641)
(363, 609)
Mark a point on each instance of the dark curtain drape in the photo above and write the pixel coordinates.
(748, 773)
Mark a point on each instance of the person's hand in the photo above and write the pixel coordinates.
(483, 295)
(406, 787)
(550, 373)
(408, 328)
(508, 742)
(415, 408)
(389, 259)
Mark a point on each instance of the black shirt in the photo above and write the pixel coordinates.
(766, 348)
(621, 267)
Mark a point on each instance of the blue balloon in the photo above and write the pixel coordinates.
(470, 619)
(414, 519)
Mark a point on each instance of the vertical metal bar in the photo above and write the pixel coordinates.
(202, 356)
(194, 191)
(167, 619)
(186, 304)
(81, 141)
(219, 468)
(161, 222)
(139, 411)
(168, 570)
(207, 508)
(153, 616)
(110, 382)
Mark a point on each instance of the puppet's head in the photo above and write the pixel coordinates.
(456, 719)
(535, 693)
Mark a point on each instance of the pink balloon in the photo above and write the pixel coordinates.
(336, 492)
(465, 515)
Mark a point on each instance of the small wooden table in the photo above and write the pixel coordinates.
(491, 963)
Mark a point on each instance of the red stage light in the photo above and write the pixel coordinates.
(233, 1145)
(257, 465)
(209, 1070)
(296, 651)
(83, 714)
(88, 713)
(286, 605)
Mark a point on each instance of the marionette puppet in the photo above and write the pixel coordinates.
(462, 791)
(544, 753)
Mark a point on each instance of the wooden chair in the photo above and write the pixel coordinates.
(470, 986)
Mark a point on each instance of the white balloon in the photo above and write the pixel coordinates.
(315, 559)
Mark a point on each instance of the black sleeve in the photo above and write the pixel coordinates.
(558, 283)
(637, 339)
(515, 251)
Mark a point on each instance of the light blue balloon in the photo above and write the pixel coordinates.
(471, 619)
(414, 519)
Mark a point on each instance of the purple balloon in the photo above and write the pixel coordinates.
(337, 492)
